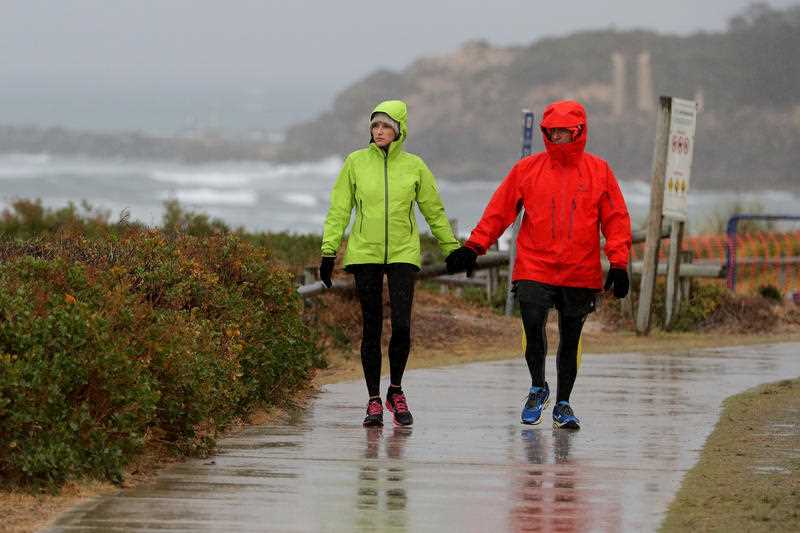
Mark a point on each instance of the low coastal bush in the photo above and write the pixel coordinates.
(110, 341)
(711, 307)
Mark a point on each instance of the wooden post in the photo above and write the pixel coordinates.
(673, 272)
(491, 278)
(686, 291)
(627, 302)
(512, 257)
(652, 242)
(444, 289)
(310, 274)
(684, 283)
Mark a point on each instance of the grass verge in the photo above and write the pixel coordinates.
(748, 476)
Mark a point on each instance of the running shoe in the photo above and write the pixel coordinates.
(374, 416)
(563, 417)
(538, 399)
(396, 403)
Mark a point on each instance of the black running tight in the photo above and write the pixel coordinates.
(534, 318)
(369, 285)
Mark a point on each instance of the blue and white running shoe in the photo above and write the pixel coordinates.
(563, 417)
(538, 399)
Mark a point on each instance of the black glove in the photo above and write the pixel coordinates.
(618, 279)
(326, 269)
(461, 260)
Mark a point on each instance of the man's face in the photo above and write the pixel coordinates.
(561, 135)
(382, 134)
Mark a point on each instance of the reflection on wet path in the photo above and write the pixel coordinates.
(382, 496)
(468, 464)
(546, 488)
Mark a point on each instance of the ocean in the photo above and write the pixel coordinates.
(263, 196)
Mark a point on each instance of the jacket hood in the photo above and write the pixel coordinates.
(398, 111)
(565, 114)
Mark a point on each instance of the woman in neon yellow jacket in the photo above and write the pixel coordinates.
(382, 182)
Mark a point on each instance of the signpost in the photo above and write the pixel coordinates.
(527, 142)
(683, 120)
(672, 162)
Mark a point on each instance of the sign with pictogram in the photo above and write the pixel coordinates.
(683, 119)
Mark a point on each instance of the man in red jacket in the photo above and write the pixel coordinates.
(568, 195)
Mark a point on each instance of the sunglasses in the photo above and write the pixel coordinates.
(574, 131)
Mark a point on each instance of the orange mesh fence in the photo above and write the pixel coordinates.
(763, 258)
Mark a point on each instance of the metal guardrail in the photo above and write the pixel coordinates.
(490, 260)
(688, 270)
(639, 236)
(495, 260)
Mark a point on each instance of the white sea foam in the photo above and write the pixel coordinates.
(238, 175)
(219, 178)
(301, 199)
(635, 192)
(324, 167)
(27, 166)
(25, 159)
(482, 185)
(208, 196)
(289, 196)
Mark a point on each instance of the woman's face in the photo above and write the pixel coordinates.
(382, 134)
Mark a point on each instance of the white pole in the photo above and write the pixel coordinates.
(527, 141)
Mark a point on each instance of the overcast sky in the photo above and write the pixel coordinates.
(296, 53)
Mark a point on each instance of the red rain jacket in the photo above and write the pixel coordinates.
(568, 194)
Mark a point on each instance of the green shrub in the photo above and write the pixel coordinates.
(107, 342)
(292, 250)
(770, 292)
(74, 400)
(176, 220)
(704, 300)
(25, 219)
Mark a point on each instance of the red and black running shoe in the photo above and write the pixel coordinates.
(397, 404)
(374, 416)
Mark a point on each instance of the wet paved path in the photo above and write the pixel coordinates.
(468, 464)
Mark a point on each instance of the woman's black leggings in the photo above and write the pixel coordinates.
(573, 306)
(369, 285)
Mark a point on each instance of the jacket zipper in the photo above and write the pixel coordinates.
(553, 217)
(361, 208)
(410, 224)
(571, 216)
(386, 208)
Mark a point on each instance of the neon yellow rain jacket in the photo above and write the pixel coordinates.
(382, 187)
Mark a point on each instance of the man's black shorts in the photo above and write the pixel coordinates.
(569, 301)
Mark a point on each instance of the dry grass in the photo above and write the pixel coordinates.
(448, 331)
(748, 476)
(23, 512)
